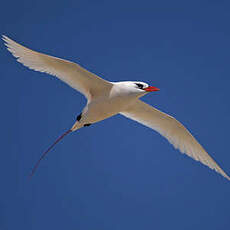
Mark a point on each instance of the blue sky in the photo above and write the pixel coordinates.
(116, 174)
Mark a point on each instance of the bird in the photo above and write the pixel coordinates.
(106, 99)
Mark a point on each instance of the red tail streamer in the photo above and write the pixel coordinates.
(44, 154)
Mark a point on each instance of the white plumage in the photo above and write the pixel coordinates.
(106, 99)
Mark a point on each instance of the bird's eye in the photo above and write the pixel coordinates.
(140, 86)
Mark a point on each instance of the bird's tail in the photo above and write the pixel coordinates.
(77, 125)
(45, 153)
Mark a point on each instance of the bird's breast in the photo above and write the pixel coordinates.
(103, 108)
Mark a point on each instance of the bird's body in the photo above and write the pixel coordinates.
(106, 99)
(112, 101)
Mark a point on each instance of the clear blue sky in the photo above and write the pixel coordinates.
(116, 174)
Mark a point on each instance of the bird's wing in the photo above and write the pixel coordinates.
(71, 73)
(173, 131)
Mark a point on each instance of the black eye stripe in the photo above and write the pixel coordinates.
(139, 85)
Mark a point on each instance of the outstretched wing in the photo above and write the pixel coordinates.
(173, 131)
(74, 75)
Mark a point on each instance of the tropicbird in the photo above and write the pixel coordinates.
(106, 99)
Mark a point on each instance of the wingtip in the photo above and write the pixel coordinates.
(4, 38)
(7, 40)
(227, 177)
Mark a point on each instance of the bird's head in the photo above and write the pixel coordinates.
(136, 88)
(144, 87)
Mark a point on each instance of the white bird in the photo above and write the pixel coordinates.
(105, 99)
